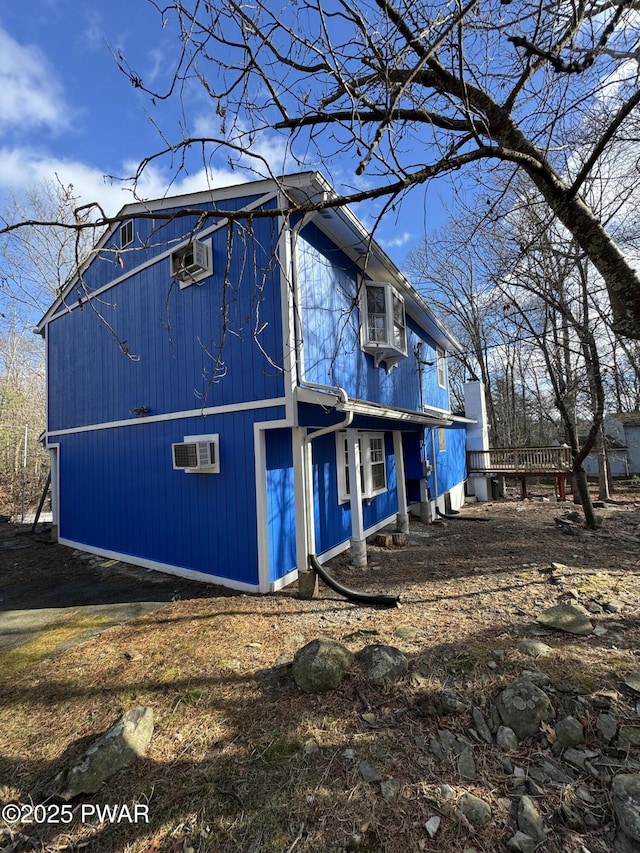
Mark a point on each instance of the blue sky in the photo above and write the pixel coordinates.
(67, 111)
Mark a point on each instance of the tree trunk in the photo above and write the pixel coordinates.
(582, 487)
(603, 479)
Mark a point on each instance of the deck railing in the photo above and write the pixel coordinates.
(519, 460)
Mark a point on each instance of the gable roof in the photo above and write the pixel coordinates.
(297, 192)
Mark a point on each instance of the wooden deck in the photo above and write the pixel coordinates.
(523, 462)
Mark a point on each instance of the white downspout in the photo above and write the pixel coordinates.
(435, 471)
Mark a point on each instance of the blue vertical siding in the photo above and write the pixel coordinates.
(333, 519)
(451, 466)
(119, 492)
(331, 332)
(174, 338)
(280, 503)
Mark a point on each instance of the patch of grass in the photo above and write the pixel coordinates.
(281, 750)
(46, 642)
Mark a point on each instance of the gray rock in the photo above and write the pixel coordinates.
(432, 825)
(613, 606)
(311, 747)
(535, 789)
(629, 736)
(626, 802)
(446, 792)
(466, 765)
(390, 789)
(522, 842)
(506, 738)
(523, 706)
(540, 679)
(439, 703)
(572, 817)
(572, 618)
(481, 725)
(529, 820)
(607, 727)
(126, 740)
(550, 772)
(533, 648)
(632, 680)
(569, 732)
(575, 757)
(407, 632)
(383, 664)
(436, 748)
(448, 740)
(475, 810)
(585, 795)
(368, 772)
(321, 665)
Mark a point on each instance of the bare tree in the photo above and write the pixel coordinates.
(454, 283)
(408, 91)
(35, 262)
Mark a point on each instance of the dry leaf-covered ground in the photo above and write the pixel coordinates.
(241, 760)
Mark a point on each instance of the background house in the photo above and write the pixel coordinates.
(226, 396)
(622, 437)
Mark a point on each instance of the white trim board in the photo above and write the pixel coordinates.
(175, 416)
(166, 568)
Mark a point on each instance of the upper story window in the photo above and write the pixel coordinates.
(384, 327)
(126, 233)
(441, 368)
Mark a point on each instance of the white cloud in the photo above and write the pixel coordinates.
(31, 95)
(21, 168)
(396, 242)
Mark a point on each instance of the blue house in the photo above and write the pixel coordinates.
(228, 394)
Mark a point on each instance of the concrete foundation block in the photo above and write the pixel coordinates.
(307, 585)
(358, 552)
(402, 523)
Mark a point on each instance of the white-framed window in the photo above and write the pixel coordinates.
(192, 262)
(384, 325)
(373, 465)
(126, 233)
(441, 367)
(442, 439)
(197, 454)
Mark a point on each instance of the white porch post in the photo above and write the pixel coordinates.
(358, 541)
(305, 533)
(401, 487)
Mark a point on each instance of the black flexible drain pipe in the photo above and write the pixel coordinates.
(459, 517)
(352, 594)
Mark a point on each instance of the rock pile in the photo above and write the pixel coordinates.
(596, 769)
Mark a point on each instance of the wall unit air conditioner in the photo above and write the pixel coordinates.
(192, 262)
(197, 454)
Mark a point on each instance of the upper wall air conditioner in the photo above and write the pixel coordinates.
(191, 262)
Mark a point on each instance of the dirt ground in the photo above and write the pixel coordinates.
(241, 760)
